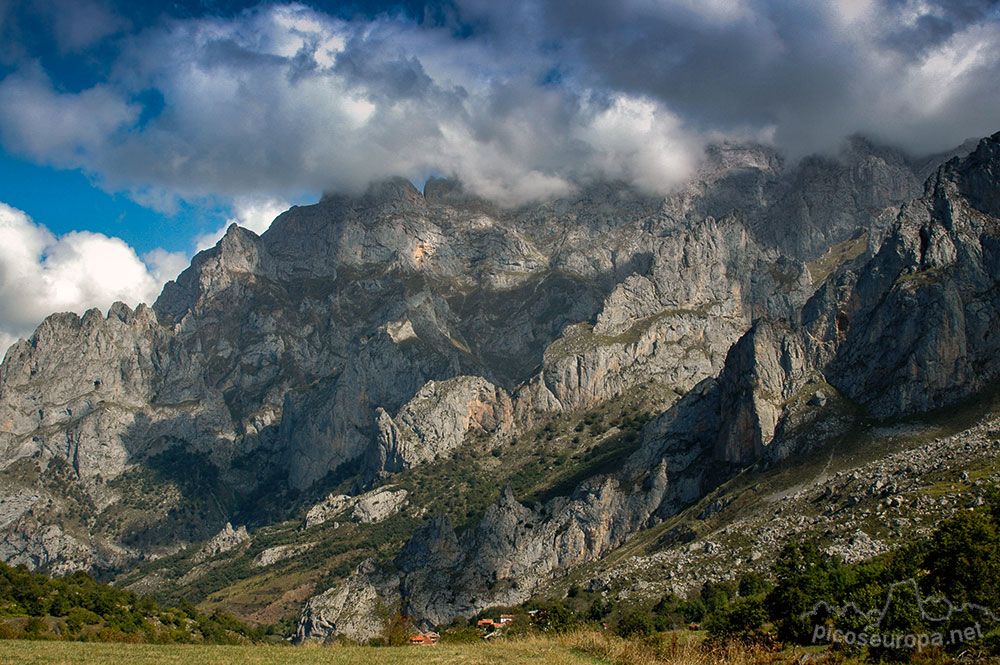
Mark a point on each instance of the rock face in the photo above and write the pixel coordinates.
(904, 329)
(435, 422)
(327, 509)
(273, 555)
(832, 197)
(368, 508)
(225, 541)
(910, 330)
(352, 609)
(73, 389)
(921, 331)
(365, 336)
(377, 505)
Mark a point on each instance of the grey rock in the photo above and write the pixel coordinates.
(327, 509)
(353, 609)
(377, 505)
(226, 540)
(436, 421)
(273, 555)
(367, 508)
(870, 332)
(389, 326)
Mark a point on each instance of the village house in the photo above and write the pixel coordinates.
(424, 639)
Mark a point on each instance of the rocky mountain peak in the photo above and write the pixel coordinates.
(444, 190)
(974, 177)
(238, 253)
(395, 191)
(723, 157)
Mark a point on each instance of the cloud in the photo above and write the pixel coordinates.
(77, 24)
(164, 266)
(815, 72)
(519, 103)
(252, 212)
(285, 99)
(41, 273)
(64, 129)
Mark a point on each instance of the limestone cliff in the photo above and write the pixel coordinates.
(363, 336)
(905, 328)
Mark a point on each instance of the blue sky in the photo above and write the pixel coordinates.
(66, 200)
(132, 133)
(81, 202)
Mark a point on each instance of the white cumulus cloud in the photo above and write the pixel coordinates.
(286, 99)
(41, 273)
(251, 212)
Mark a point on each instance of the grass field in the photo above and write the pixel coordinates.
(579, 648)
(529, 652)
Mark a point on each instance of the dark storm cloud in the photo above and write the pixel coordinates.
(811, 70)
(941, 19)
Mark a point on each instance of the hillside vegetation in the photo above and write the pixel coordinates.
(75, 607)
(947, 585)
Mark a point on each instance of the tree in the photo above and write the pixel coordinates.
(555, 617)
(693, 610)
(742, 619)
(804, 577)
(635, 624)
(396, 628)
(59, 606)
(963, 562)
(667, 613)
(598, 610)
(188, 608)
(753, 584)
(715, 595)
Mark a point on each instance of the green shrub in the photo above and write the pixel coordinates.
(598, 610)
(742, 619)
(35, 627)
(716, 595)
(635, 624)
(78, 617)
(805, 576)
(668, 615)
(693, 610)
(964, 559)
(753, 584)
(555, 617)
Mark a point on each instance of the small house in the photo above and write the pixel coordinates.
(424, 639)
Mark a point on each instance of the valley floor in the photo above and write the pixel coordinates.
(530, 652)
(579, 648)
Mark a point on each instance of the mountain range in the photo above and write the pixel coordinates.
(426, 401)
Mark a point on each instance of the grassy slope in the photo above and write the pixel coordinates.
(837, 256)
